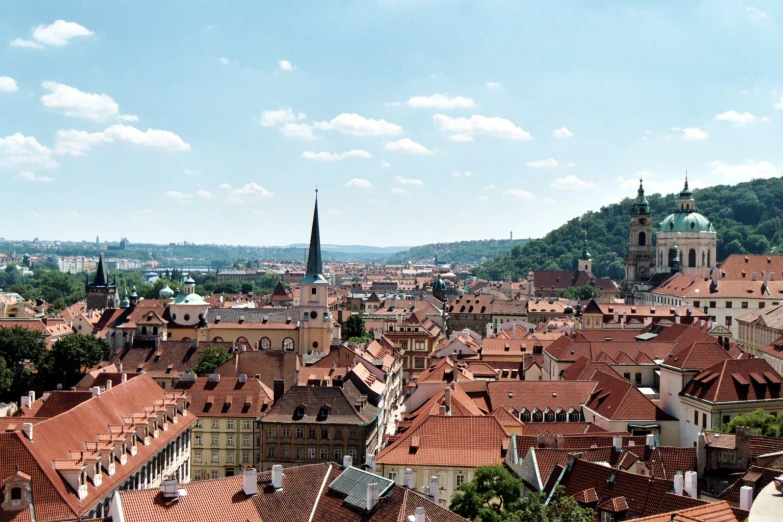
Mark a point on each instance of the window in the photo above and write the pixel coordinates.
(728, 304)
(352, 453)
(726, 419)
(704, 420)
(338, 454)
(198, 423)
(727, 457)
(246, 440)
(215, 440)
(270, 452)
(352, 435)
(266, 343)
(744, 304)
(338, 434)
(246, 424)
(762, 304)
(215, 456)
(230, 424)
(324, 453)
(713, 304)
(311, 453)
(393, 476)
(285, 433)
(300, 453)
(638, 378)
(696, 417)
(728, 320)
(245, 457)
(627, 376)
(230, 457)
(271, 433)
(460, 479)
(215, 424)
(607, 516)
(229, 440)
(198, 440)
(288, 344)
(197, 456)
(311, 433)
(299, 433)
(197, 475)
(313, 291)
(697, 304)
(286, 452)
(418, 363)
(214, 474)
(324, 433)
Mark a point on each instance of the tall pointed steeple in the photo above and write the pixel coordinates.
(314, 266)
(102, 274)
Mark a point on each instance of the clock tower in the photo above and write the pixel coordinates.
(639, 260)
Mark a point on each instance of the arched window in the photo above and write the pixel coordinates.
(573, 416)
(642, 239)
(288, 344)
(143, 330)
(266, 343)
(217, 339)
(155, 330)
(538, 417)
(242, 341)
(550, 416)
(692, 258)
(524, 416)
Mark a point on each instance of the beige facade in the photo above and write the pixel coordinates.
(449, 478)
(223, 446)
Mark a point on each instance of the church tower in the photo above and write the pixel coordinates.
(315, 320)
(585, 260)
(100, 293)
(639, 260)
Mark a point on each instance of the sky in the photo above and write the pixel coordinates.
(418, 121)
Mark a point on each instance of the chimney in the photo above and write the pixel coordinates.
(108, 384)
(278, 388)
(31, 394)
(417, 516)
(24, 402)
(691, 484)
(250, 482)
(169, 487)
(746, 497)
(347, 461)
(27, 429)
(442, 410)
(373, 496)
(434, 489)
(277, 477)
(447, 398)
(489, 330)
(678, 481)
(194, 344)
(242, 377)
(96, 391)
(119, 367)
(513, 332)
(369, 461)
(651, 441)
(617, 442)
(124, 377)
(410, 479)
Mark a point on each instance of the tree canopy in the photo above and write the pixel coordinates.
(70, 358)
(209, 359)
(760, 423)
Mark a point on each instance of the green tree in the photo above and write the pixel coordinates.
(70, 358)
(579, 293)
(209, 359)
(533, 508)
(759, 423)
(6, 378)
(354, 327)
(266, 284)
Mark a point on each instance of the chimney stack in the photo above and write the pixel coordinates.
(651, 441)
(96, 391)
(410, 479)
(442, 410)
(617, 442)
(434, 489)
(27, 429)
(691, 484)
(347, 461)
(278, 389)
(31, 394)
(124, 377)
(447, 399)
(746, 497)
(678, 482)
(250, 482)
(108, 384)
(369, 461)
(277, 477)
(418, 515)
(373, 496)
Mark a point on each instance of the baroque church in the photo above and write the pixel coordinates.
(685, 241)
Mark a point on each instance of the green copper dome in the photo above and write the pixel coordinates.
(686, 222)
(640, 205)
(166, 292)
(439, 284)
(189, 299)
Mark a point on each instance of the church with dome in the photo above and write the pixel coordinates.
(685, 241)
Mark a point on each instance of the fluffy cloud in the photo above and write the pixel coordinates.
(571, 182)
(78, 104)
(359, 182)
(520, 194)
(205, 194)
(478, 124)
(460, 138)
(278, 116)
(333, 156)
(78, 142)
(225, 186)
(440, 101)
(739, 119)
(252, 190)
(227, 61)
(32, 176)
(176, 194)
(562, 132)
(744, 171)
(409, 181)
(8, 84)
(18, 150)
(548, 163)
(493, 86)
(56, 34)
(694, 134)
(352, 123)
(457, 174)
(286, 65)
(409, 146)
(298, 130)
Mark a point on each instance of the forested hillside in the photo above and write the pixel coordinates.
(748, 218)
(458, 252)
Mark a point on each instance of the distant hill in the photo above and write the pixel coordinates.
(354, 249)
(748, 218)
(458, 252)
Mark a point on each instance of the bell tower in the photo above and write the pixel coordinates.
(639, 261)
(315, 319)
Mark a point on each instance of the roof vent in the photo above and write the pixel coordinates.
(214, 377)
(241, 319)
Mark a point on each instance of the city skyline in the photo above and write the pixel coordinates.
(162, 124)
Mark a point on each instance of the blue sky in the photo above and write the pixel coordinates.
(419, 120)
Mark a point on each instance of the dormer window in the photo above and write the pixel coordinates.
(16, 493)
(300, 411)
(323, 413)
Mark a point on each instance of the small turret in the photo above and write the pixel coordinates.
(675, 267)
(190, 285)
(125, 303)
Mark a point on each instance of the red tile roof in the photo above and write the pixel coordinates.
(539, 395)
(227, 398)
(617, 399)
(736, 380)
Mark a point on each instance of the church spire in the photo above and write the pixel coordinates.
(314, 265)
(102, 274)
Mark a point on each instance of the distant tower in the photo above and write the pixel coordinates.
(639, 260)
(439, 289)
(585, 260)
(511, 235)
(531, 284)
(100, 293)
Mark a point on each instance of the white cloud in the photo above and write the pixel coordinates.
(493, 86)
(352, 123)
(225, 186)
(189, 172)
(8, 84)
(398, 190)
(19, 42)
(440, 101)
(548, 163)
(333, 156)
(18, 150)
(227, 61)
(478, 124)
(744, 171)
(764, 119)
(755, 13)
(78, 104)
(176, 194)
(779, 105)
(205, 194)
(32, 176)
(520, 194)
(286, 65)
(571, 182)
(489, 187)
(252, 190)
(457, 174)
(562, 132)
(385, 164)
(409, 181)
(298, 130)
(359, 182)
(739, 119)
(694, 134)
(275, 117)
(460, 138)
(59, 32)
(78, 142)
(409, 146)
